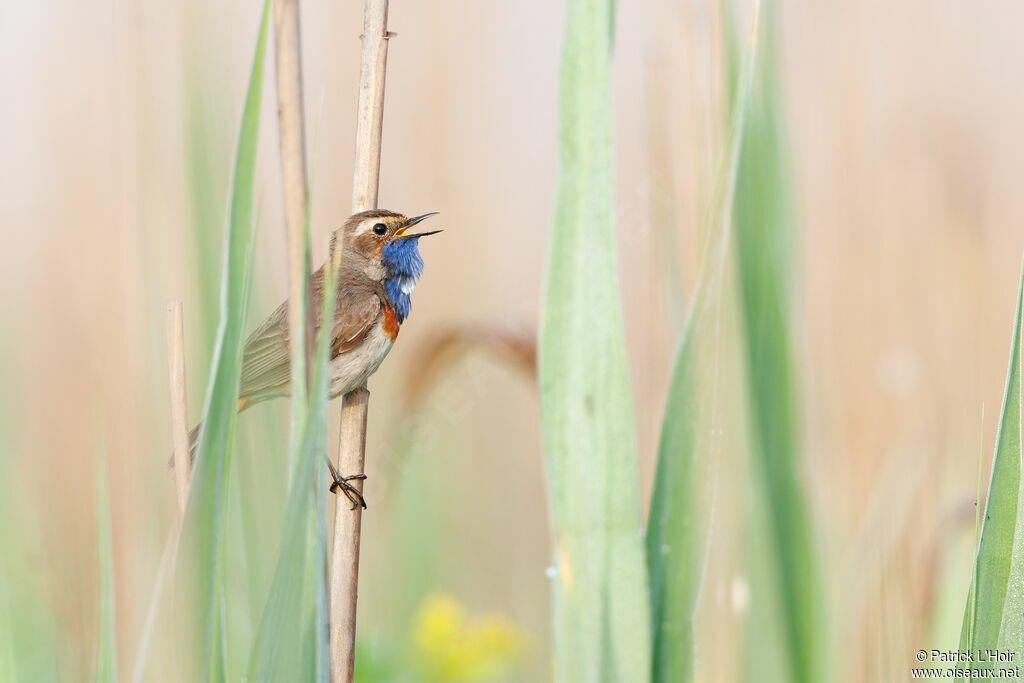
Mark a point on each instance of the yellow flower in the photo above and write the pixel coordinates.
(450, 646)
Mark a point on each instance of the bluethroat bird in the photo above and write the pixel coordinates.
(380, 265)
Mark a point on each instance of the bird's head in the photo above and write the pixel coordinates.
(380, 245)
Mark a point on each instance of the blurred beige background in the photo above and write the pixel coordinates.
(905, 136)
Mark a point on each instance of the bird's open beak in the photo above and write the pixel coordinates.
(413, 221)
(420, 234)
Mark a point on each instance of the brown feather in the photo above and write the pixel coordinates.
(266, 368)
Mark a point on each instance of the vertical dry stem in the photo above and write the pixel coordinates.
(352, 442)
(292, 134)
(345, 557)
(370, 115)
(179, 400)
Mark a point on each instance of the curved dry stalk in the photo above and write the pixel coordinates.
(352, 441)
(435, 357)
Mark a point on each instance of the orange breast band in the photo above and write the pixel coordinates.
(390, 325)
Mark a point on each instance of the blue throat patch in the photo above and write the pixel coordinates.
(401, 256)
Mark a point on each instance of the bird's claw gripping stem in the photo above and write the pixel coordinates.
(351, 492)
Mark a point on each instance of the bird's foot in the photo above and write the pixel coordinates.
(351, 492)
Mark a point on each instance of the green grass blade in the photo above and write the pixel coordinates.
(998, 571)
(300, 395)
(30, 628)
(762, 218)
(106, 641)
(1011, 629)
(203, 529)
(206, 172)
(600, 605)
(675, 541)
(291, 643)
(972, 599)
(208, 163)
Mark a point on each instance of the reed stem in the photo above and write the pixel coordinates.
(179, 401)
(352, 440)
(347, 527)
(292, 136)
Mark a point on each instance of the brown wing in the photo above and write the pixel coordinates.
(353, 317)
(265, 361)
(265, 367)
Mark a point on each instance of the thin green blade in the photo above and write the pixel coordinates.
(600, 605)
(998, 581)
(675, 540)
(106, 630)
(787, 612)
(291, 644)
(203, 529)
(29, 625)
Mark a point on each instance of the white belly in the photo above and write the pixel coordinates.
(353, 367)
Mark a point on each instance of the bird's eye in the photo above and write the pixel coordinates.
(380, 229)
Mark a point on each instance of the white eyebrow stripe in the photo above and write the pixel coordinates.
(364, 226)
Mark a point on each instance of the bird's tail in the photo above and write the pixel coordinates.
(193, 437)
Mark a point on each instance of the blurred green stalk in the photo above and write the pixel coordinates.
(762, 218)
(600, 604)
(676, 535)
(33, 645)
(994, 614)
(106, 631)
(292, 639)
(203, 530)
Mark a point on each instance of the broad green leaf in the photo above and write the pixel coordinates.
(106, 641)
(201, 560)
(995, 592)
(675, 528)
(762, 218)
(600, 603)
